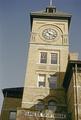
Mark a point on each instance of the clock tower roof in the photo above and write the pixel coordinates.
(50, 13)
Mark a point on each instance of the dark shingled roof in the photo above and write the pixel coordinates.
(13, 92)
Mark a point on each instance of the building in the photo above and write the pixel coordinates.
(12, 100)
(48, 80)
(43, 94)
(72, 85)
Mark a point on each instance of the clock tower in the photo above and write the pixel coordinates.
(47, 62)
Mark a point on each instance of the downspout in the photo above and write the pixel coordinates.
(76, 90)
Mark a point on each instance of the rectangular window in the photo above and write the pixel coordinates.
(43, 57)
(52, 81)
(12, 115)
(54, 58)
(41, 80)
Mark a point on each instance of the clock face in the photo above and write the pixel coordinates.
(49, 33)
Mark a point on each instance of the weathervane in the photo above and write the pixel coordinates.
(51, 2)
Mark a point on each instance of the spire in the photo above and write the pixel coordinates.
(51, 1)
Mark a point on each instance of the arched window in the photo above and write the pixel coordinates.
(40, 105)
(52, 105)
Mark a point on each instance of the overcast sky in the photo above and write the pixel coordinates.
(14, 35)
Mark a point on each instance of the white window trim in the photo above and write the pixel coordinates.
(55, 58)
(39, 81)
(40, 57)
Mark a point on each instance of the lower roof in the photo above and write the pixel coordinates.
(13, 92)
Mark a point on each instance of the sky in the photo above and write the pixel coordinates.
(15, 34)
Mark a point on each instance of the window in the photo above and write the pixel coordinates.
(52, 81)
(12, 115)
(52, 105)
(43, 57)
(41, 80)
(40, 105)
(53, 58)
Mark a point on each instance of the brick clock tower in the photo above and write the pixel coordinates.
(44, 96)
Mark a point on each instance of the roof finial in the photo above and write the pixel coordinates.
(51, 2)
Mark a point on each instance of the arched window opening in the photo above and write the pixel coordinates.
(40, 105)
(52, 105)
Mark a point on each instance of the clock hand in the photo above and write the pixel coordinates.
(51, 33)
(47, 34)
